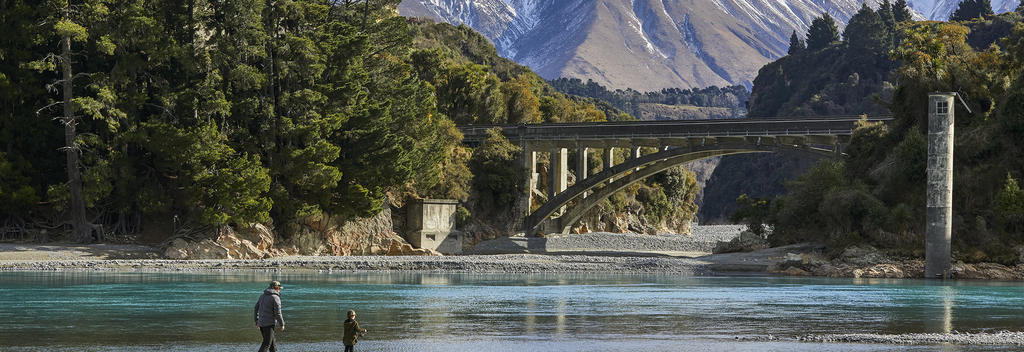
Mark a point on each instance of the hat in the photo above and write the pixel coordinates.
(274, 284)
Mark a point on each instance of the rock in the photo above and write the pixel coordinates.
(793, 271)
(401, 248)
(177, 250)
(889, 271)
(984, 271)
(863, 256)
(338, 236)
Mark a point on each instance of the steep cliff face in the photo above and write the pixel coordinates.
(639, 44)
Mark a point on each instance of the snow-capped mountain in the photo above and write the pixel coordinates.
(647, 44)
(940, 10)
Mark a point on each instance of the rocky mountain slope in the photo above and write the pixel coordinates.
(940, 10)
(639, 44)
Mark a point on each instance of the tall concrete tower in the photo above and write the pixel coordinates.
(940, 185)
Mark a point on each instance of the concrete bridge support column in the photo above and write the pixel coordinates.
(581, 165)
(940, 185)
(609, 160)
(530, 166)
(634, 153)
(558, 172)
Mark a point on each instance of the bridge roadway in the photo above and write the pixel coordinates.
(809, 126)
(674, 142)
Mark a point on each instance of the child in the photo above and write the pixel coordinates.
(352, 332)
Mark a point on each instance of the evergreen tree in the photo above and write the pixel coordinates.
(796, 45)
(971, 9)
(823, 32)
(865, 33)
(887, 16)
(78, 30)
(900, 11)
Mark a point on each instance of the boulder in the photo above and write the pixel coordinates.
(401, 248)
(984, 271)
(252, 242)
(794, 271)
(863, 256)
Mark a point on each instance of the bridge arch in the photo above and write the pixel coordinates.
(630, 172)
(677, 142)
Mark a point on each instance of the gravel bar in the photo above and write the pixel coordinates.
(508, 263)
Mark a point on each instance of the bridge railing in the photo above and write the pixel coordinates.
(674, 129)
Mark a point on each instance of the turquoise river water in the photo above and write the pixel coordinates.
(129, 311)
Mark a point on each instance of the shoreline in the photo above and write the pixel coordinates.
(635, 254)
(499, 263)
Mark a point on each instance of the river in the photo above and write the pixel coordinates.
(130, 311)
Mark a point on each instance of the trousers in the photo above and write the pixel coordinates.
(268, 339)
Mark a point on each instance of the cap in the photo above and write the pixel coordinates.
(274, 284)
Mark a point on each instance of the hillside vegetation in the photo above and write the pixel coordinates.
(875, 195)
(666, 104)
(153, 116)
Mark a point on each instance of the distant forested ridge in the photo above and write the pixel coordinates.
(876, 194)
(732, 100)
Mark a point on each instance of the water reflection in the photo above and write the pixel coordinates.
(49, 309)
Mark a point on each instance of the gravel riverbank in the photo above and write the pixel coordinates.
(700, 242)
(507, 263)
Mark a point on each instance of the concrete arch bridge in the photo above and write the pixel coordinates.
(673, 142)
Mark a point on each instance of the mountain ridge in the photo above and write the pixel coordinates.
(640, 44)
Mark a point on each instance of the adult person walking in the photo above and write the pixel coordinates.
(267, 315)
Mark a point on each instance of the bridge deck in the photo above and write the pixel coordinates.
(809, 126)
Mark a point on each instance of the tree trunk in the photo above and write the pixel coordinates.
(81, 229)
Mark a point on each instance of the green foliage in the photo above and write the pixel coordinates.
(17, 196)
(475, 85)
(1010, 204)
(497, 173)
(236, 111)
(462, 217)
(796, 44)
(866, 34)
(752, 212)
(822, 33)
(971, 9)
(901, 12)
(876, 195)
(632, 102)
(668, 197)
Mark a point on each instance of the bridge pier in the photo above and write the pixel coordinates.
(558, 173)
(634, 153)
(938, 233)
(581, 165)
(609, 159)
(530, 166)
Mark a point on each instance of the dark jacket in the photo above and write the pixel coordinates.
(352, 332)
(268, 309)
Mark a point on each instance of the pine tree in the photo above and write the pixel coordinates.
(900, 11)
(971, 9)
(796, 45)
(823, 32)
(865, 32)
(885, 13)
(78, 31)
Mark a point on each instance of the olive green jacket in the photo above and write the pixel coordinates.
(352, 332)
